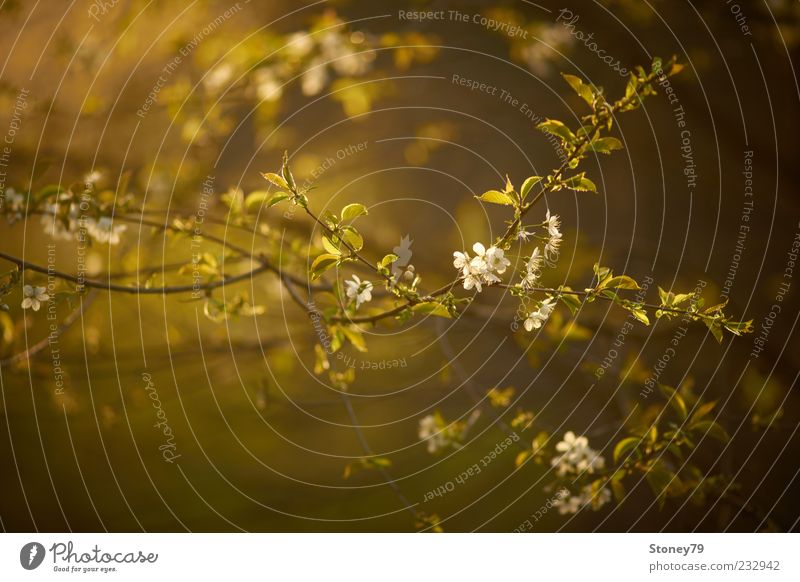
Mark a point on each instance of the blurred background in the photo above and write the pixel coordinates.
(162, 102)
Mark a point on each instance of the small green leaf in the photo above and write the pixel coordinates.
(675, 400)
(620, 282)
(528, 184)
(581, 88)
(355, 337)
(625, 445)
(330, 246)
(322, 263)
(618, 489)
(715, 328)
(432, 308)
(555, 127)
(276, 180)
(277, 197)
(388, 260)
(353, 238)
(352, 211)
(712, 429)
(641, 315)
(580, 183)
(572, 302)
(605, 145)
(256, 199)
(702, 411)
(496, 197)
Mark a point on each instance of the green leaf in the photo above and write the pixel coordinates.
(640, 314)
(581, 88)
(256, 199)
(322, 263)
(355, 337)
(715, 328)
(555, 127)
(580, 183)
(276, 180)
(432, 308)
(572, 302)
(625, 445)
(496, 197)
(330, 246)
(712, 429)
(605, 145)
(661, 480)
(675, 400)
(702, 411)
(619, 282)
(388, 260)
(528, 184)
(738, 327)
(618, 489)
(352, 211)
(277, 197)
(353, 238)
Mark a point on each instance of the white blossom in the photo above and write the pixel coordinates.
(576, 456)
(218, 77)
(33, 297)
(430, 431)
(552, 223)
(438, 434)
(104, 230)
(482, 267)
(314, 78)
(358, 290)
(533, 269)
(537, 318)
(13, 204)
(268, 85)
(585, 498)
(524, 235)
(299, 44)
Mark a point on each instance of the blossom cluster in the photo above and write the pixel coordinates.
(586, 497)
(438, 434)
(101, 230)
(358, 290)
(576, 456)
(314, 54)
(483, 268)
